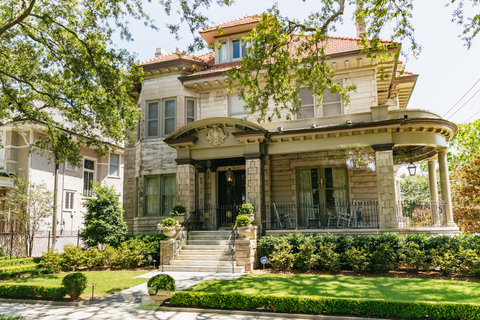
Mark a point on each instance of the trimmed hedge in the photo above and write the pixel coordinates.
(18, 262)
(30, 292)
(377, 253)
(34, 270)
(4, 317)
(327, 305)
(18, 268)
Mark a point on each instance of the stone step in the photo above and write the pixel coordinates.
(206, 256)
(201, 263)
(186, 250)
(210, 233)
(206, 237)
(217, 269)
(207, 242)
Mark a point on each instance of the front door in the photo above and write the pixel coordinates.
(231, 195)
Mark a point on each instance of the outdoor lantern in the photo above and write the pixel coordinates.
(229, 175)
(412, 169)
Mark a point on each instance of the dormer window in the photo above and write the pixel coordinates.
(230, 50)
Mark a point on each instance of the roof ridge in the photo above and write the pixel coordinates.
(226, 23)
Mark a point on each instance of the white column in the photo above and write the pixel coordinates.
(445, 186)
(432, 183)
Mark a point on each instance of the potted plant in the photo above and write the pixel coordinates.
(248, 209)
(168, 226)
(243, 225)
(178, 213)
(161, 287)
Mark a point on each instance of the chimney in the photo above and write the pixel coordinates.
(360, 22)
(159, 52)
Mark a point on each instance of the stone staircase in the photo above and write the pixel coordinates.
(205, 251)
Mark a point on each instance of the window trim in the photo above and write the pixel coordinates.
(71, 201)
(88, 170)
(161, 194)
(228, 44)
(69, 167)
(110, 165)
(160, 118)
(194, 109)
(318, 112)
(230, 114)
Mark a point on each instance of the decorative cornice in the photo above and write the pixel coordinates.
(383, 147)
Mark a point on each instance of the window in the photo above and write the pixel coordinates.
(88, 177)
(223, 51)
(331, 105)
(69, 200)
(114, 165)
(161, 118)
(324, 185)
(69, 167)
(159, 194)
(236, 107)
(190, 112)
(238, 49)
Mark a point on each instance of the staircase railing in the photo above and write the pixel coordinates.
(231, 246)
(170, 251)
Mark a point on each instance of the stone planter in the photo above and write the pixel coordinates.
(160, 296)
(245, 231)
(170, 233)
(179, 219)
(251, 216)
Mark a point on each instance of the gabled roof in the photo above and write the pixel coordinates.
(247, 19)
(236, 26)
(177, 55)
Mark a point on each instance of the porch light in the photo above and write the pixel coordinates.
(229, 175)
(412, 169)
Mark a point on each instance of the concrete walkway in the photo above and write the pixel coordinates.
(124, 305)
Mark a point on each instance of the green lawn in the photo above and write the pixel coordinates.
(106, 282)
(399, 289)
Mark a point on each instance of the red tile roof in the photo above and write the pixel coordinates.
(205, 58)
(247, 19)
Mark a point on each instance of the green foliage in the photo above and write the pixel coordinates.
(94, 258)
(178, 210)
(52, 260)
(414, 257)
(74, 284)
(23, 270)
(73, 257)
(151, 244)
(414, 188)
(464, 144)
(328, 305)
(17, 262)
(327, 258)
(161, 282)
(4, 317)
(31, 205)
(130, 255)
(86, 86)
(30, 292)
(358, 259)
(305, 259)
(445, 259)
(243, 220)
(247, 208)
(384, 258)
(282, 257)
(104, 219)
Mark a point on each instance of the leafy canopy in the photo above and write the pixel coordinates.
(285, 54)
(464, 144)
(104, 219)
(60, 69)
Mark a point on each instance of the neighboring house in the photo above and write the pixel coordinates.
(329, 169)
(74, 184)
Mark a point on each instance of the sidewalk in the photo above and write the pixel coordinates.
(124, 305)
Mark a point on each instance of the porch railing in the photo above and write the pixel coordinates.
(231, 246)
(340, 215)
(427, 213)
(211, 217)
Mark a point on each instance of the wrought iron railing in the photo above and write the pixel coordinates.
(231, 247)
(211, 217)
(170, 251)
(427, 213)
(339, 215)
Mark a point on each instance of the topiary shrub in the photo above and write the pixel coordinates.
(74, 284)
(160, 282)
(178, 210)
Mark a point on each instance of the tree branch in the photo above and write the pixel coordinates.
(18, 19)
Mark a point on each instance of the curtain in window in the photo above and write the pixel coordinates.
(151, 196)
(340, 189)
(168, 193)
(305, 196)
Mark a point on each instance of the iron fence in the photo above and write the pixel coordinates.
(212, 217)
(427, 213)
(339, 215)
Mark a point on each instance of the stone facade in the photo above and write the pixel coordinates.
(386, 189)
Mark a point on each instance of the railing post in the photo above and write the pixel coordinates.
(11, 244)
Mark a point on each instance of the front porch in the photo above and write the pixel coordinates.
(339, 180)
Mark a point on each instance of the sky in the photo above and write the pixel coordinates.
(446, 69)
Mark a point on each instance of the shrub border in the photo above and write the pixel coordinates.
(31, 292)
(328, 305)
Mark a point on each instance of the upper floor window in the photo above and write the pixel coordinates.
(88, 177)
(230, 50)
(331, 105)
(69, 200)
(114, 170)
(161, 118)
(69, 167)
(236, 107)
(191, 107)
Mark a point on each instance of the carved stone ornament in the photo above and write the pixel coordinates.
(216, 136)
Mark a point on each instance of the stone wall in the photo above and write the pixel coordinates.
(386, 187)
